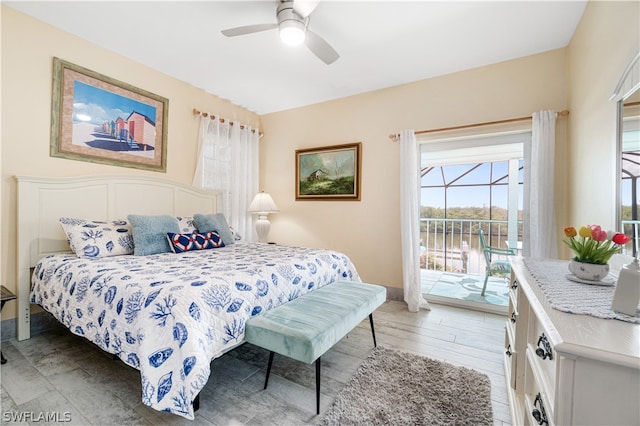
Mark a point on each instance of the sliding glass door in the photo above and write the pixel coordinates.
(470, 184)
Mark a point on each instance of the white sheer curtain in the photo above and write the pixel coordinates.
(410, 221)
(539, 232)
(228, 163)
(244, 180)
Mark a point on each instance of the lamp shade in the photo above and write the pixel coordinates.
(262, 204)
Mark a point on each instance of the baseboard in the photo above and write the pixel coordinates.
(41, 321)
(395, 294)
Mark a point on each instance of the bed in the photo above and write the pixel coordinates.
(166, 314)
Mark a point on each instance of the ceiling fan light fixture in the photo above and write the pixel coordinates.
(292, 32)
(293, 28)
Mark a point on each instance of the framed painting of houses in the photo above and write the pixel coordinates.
(99, 119)
(329, 173)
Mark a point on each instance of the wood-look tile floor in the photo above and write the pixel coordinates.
(59, 374)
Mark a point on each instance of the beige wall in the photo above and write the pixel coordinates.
(28, 46)
(369, 231)
(606, 40)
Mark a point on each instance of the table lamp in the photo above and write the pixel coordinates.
(262, 205)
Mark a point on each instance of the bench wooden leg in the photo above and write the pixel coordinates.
(373, 332)
(318, 386)
(266, 380)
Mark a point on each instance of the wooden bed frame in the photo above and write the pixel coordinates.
(43, 200)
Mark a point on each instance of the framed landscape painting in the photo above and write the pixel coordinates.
(329, 173)
(99, 119)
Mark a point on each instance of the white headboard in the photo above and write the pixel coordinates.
(43, 200)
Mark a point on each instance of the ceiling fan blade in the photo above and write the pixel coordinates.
(305, 7)
(248, 29)
(320, 48)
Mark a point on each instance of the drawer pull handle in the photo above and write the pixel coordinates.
(538, 412)
(508, 351)
(514, 285)
(544, 351)
(513, 317)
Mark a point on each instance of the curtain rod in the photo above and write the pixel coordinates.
(220, 119)
(395, 136)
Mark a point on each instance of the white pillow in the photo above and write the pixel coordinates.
(95, 238)
(187, 224)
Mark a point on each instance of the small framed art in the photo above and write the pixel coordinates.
(329, 173)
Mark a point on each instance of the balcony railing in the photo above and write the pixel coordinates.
(630, 228)
(454, 245)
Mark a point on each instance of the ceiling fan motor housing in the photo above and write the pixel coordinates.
(285, 13)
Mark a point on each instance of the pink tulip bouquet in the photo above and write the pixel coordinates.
(592, 245)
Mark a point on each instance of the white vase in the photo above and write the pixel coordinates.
(588, 271)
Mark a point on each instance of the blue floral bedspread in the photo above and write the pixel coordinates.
(169, 315)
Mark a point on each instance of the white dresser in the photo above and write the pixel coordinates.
(566, 369)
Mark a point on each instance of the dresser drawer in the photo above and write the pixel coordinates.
(512, 313)
(538, 403)
(536, 410)
(510, 355)
(513, 289)
(542, 356)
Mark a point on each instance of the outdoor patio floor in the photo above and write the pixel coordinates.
(463, 290)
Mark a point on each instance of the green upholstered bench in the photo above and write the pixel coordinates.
(305, 328)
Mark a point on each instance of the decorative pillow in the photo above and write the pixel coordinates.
(180, 243)
(214, 222)
(94, 238)
(150, 233)
(187, 225)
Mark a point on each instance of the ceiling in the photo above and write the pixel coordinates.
(381, 43)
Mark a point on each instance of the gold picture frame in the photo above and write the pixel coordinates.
(329, 173)
(102, 120)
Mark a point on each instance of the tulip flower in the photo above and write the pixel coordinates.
(592, 246)
(620, 239)
(585, 232)
(598, 234)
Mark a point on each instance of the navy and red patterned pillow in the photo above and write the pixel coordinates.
(180, 243)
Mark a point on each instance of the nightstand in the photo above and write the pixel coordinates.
(6, 296)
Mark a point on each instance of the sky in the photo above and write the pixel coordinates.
(466, 196)
(95, 105)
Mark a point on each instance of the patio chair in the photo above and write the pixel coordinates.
(497, 267)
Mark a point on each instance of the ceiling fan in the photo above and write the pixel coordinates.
(293, 22)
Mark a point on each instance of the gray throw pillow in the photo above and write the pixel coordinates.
(150, 233)
(214, 222)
